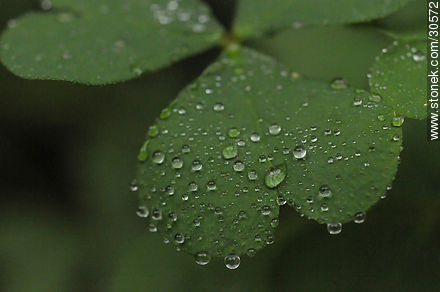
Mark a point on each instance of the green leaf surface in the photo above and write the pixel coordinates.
(250, 135)
(257, 17)
(99, 42)
(399, 76)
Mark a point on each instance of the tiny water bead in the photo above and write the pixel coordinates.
(238, 166)
(299, 152)
(134, 186)
(334, 228)
(177, 163)
(211, 186)
(142, 212)
(419, 56)
(230, 152)
(359, 217)
(398, 121)
(275, 176)
(265, 210)
(232, 261)
(274, 129)
(202, 258)
(357, 101)
(179, 238)
(197, 165)
(252, 175)
(339, 84)
(325, 191)
(255, 137)
(158, 157)
(233, 133)
(218, 107)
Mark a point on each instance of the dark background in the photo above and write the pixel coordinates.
(68, 154)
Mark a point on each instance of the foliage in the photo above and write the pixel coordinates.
(249, 134)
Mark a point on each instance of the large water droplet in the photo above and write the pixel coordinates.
(176, 163)
(158, 157)
(202, 258)
(334, 228)
(299, 152)
(233, 133)
(275, 176)
(230, 152)
(232, 261)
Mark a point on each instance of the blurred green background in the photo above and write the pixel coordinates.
(68, 155)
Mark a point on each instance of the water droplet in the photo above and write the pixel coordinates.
(274, 129)
(359, 217)
(252, 175)
(158, 157)
(281, 201)
(142, 212)
(197, 165)
(419, 56)
(165, 113)
(238, 166)
(134, 186)
(251, 252)
(265, 210)
(357, 101)
(339, 84)
(153, 131)
(202, 258)
(192, 186)
(186, 149)
(255, 137)
(218, 107)
(211, 186)
(179, 238)
(275, 176)
(398, 121)
(381, 118)
(325, 191)
(156, 214)
(232, 261)
(176, 163)
(334, 228)
(230, 152)
(299, 152)
(185, 197)
(233, 133)
(375, 98)
(143, 152)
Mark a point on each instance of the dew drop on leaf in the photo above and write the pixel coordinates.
(299, 152)
(275, 176)
(232, 261)
(334, 228)
(359, 217)
(177, 163)
(339, 84)
(325, 191)
(158, 157)
(142, 212)
(202, 258)
(230, 152)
